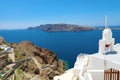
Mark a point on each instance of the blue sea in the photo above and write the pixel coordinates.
(67, 45)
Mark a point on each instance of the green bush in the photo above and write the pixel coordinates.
(1, 49)
(19, 55)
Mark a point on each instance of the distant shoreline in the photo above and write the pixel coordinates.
(65, 28)
(110, 28)
(62, 31)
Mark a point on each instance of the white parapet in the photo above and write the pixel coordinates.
(90, 76)
(66, 76)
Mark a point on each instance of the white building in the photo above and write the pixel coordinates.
(11, 54)
(91, 67)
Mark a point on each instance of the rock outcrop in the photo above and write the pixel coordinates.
(2, 40)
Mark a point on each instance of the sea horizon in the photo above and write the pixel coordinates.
(67, 45)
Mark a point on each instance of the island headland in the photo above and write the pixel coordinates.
(61, 27)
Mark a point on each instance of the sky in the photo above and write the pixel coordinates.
(20, 14)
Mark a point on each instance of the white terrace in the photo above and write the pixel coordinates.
(95, 66)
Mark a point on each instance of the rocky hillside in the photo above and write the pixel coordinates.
(61, 27)
(44, 64)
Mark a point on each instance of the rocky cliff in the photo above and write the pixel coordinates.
(61, 27)
(44, 64)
